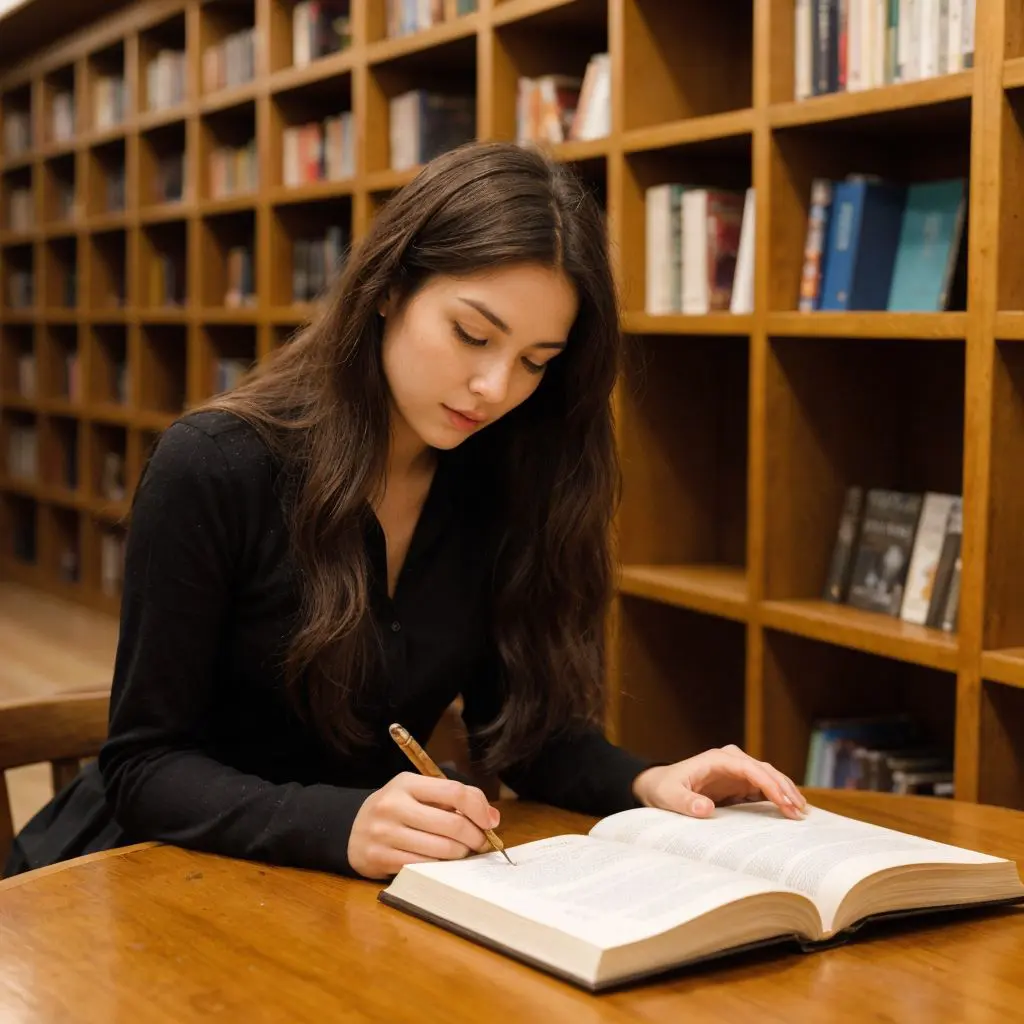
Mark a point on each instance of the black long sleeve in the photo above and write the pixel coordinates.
(182, 571)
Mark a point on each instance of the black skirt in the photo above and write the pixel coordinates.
(77, 821)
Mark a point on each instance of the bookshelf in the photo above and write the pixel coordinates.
(154, 277)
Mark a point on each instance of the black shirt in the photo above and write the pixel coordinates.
(204, 750)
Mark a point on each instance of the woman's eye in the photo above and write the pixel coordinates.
(468, 338)
(534, 367)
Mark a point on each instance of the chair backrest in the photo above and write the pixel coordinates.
(62, 729)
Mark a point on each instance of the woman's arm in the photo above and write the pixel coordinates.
(579, 770)
(186, 535)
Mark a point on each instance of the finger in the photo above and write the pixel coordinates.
(453, 825)
(428, 844)
(448, 793)
(764, 778)
(696, 805)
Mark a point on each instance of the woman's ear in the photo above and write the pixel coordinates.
(386, 302)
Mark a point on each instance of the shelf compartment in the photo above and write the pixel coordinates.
(908, 150)
(165, 169)
(109, 103)
(558, 41)
(713, 589)
(18, 213)
(682, 424)
(20, 447)
(163, 69)
(718, 164)
(866, 413)
(109, 377)
(62, 542)
(1004, 666)
(107, 187)
(1010, 288)
(309, 243)
(107, 458)
(228, 158)
(164, 368)
(60, 364)
(61, 206)
(807, 681)
(1003, 621)
(301, 44)
(19, 362)
(228, 45)
(1001, 745)
(686, 59)
(19, 529)
(312, 134)
(163, 267)
(60, 454)
(19, 131)
(103, 561)
(228, 351)
(60, 107)
(669, 707)
(448, 74)
(228, 261)
(19, 276)
(455, 32)
(108, 271)
(61, 273)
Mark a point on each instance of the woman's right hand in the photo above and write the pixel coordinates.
(416, 818)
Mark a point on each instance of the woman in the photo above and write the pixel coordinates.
(410, 502)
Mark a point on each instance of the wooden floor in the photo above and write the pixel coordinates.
(48, 646)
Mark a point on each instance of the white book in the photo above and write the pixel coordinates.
(647, 890)
(955, 37)
(662, 248)
(300, 34)
(695, 295)
(803, 48)
(924, 559)
(742, 298)
(855, 45)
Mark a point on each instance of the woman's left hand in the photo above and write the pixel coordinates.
(723, 775)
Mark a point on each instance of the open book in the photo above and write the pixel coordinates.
(647, 890)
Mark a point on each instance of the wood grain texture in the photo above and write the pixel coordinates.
(159, 934)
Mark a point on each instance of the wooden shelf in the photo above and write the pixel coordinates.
(1005, 667)
(1013, 73)
(714, 589)
(844, 106)
(711, 323)
(1009, 326)
(738, 435)
(863, 631)
(691, 130)
(912, 326)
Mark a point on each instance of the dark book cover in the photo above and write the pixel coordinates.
(883, 553)
(837, 581)
(946, 566)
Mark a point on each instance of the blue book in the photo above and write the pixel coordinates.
(863, 235)
(929, 246)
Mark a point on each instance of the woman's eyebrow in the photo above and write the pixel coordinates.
(488, 314)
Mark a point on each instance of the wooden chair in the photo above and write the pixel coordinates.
(62, 729)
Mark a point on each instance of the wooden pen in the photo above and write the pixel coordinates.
(426, 766)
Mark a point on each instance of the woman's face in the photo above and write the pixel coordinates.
(464, 351)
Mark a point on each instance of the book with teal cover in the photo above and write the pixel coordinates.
(929, 245)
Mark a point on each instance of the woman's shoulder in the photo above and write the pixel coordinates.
(213, 448)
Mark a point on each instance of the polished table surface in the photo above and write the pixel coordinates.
(159, 934)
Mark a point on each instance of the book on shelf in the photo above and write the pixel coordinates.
(557, 108)
(241, 284)
(320, 28)
(234, 170)
(852, 45)
(647, 890)
(112, 551)
(230, 61)
(407, 16)
(27, 374)
(62, 116)
(319, 150)
(171, 184)
(872, 244)
(165, 79)
(110, 101)
(424, 123)
(315, 261)
(882, 753)
(20, 210)
(20, 289)
(897, 553)
(699, 249)
(22, 452)
(17, 133)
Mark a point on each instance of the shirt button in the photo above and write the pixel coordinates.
(395, 626)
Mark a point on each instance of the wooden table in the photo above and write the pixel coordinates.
(158, 934)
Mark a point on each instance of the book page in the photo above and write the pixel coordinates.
(605, 893)
(823, 856)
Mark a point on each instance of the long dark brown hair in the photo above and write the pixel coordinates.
(323, 402)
